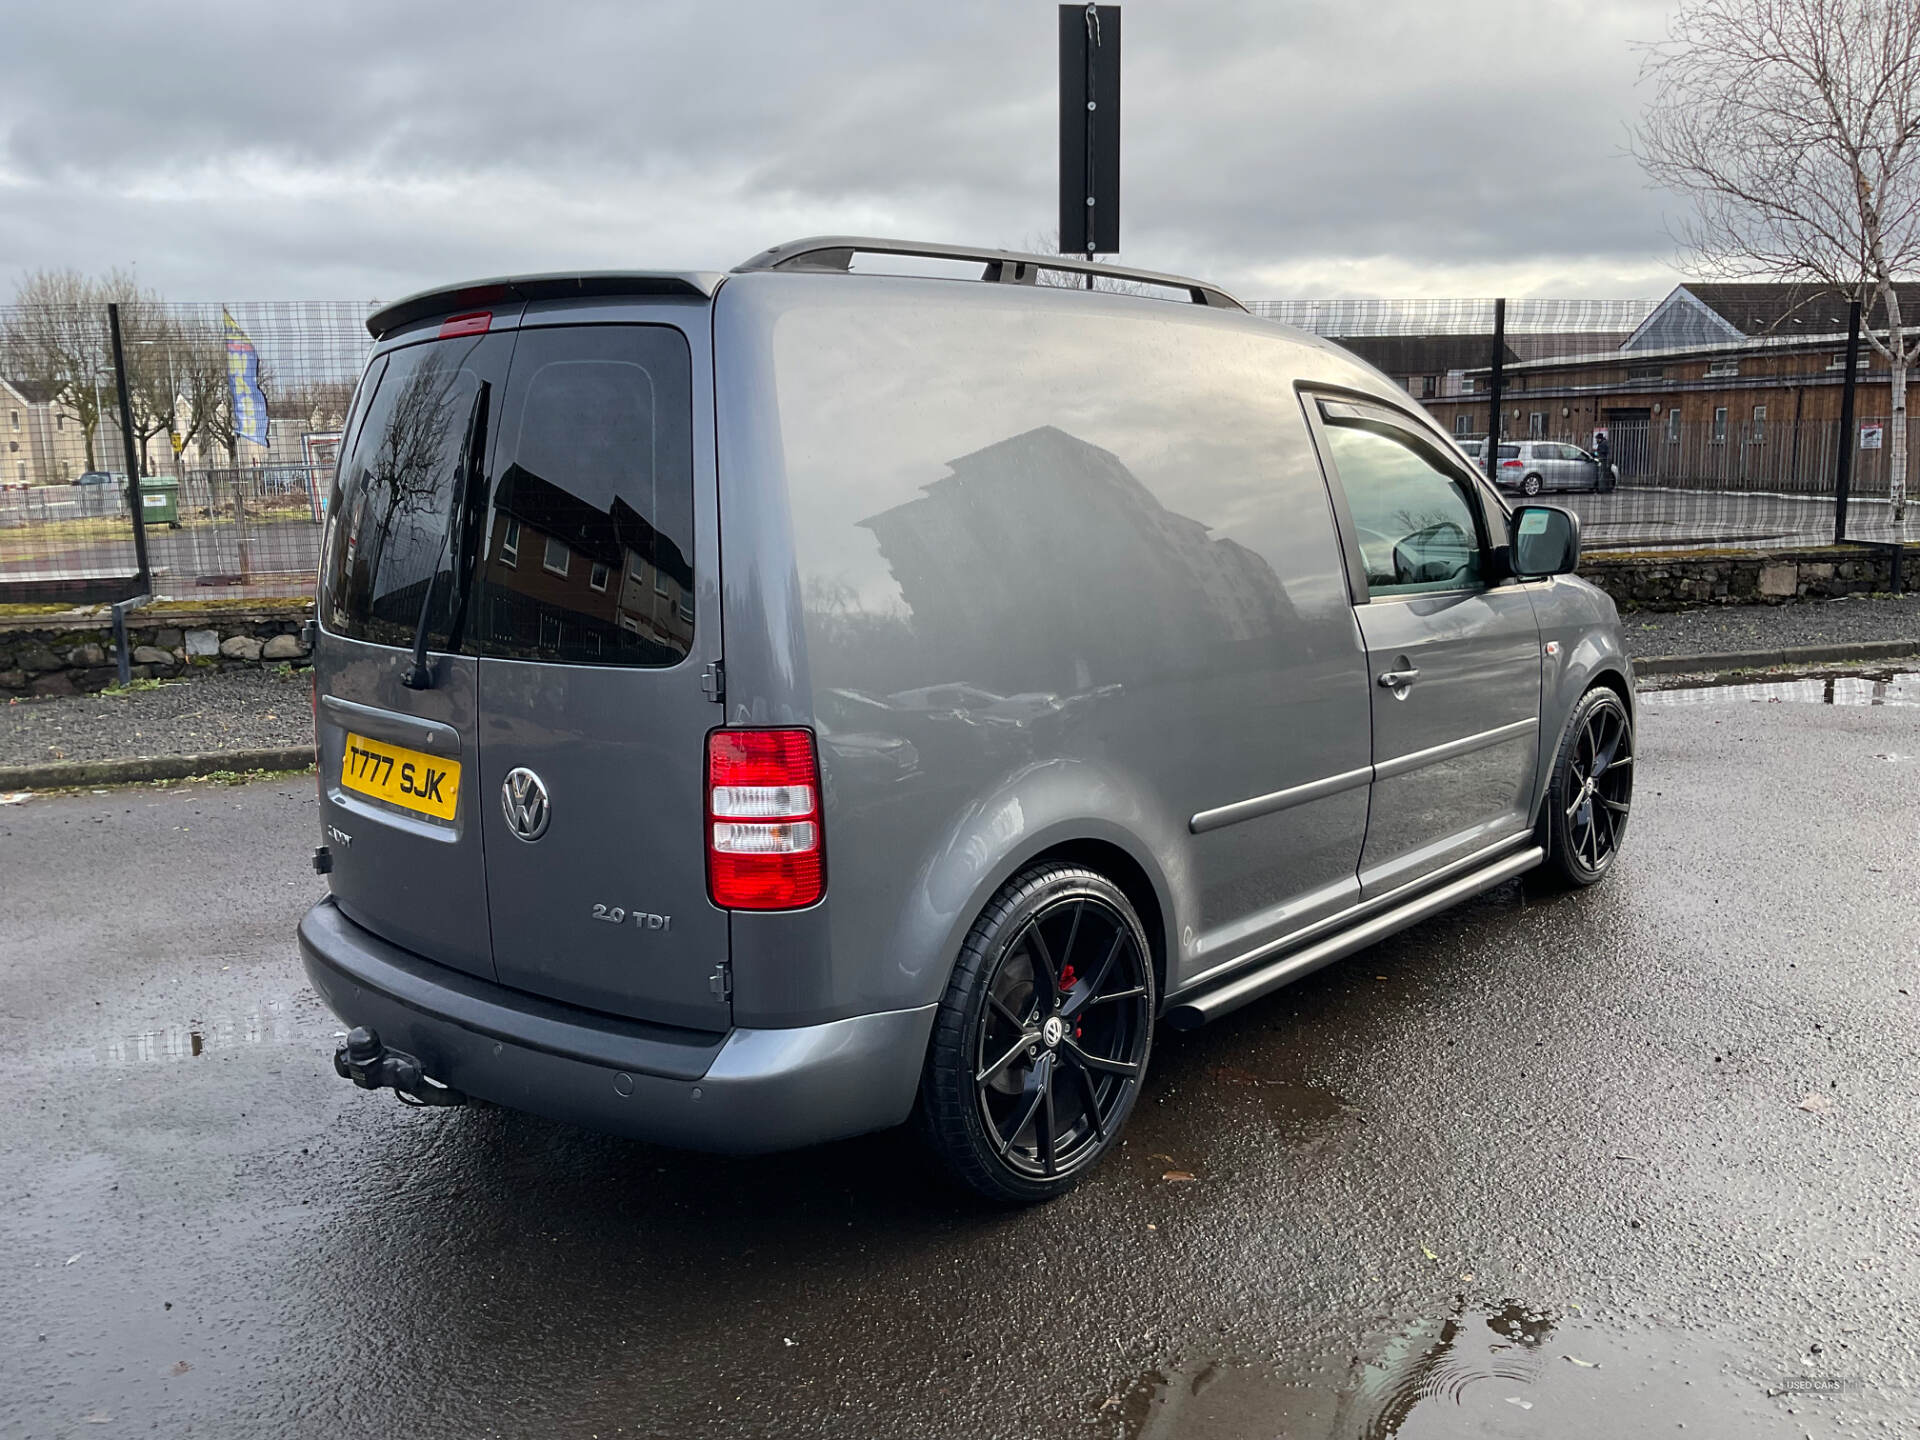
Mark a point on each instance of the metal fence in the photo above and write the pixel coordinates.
(229, 515)
(1711, 484)
(225, 511)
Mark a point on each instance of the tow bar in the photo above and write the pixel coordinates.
(372, 1066)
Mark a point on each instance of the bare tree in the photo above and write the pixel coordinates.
(56, 335)
(1793, 126)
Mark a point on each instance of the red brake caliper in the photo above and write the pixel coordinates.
(1067, 978)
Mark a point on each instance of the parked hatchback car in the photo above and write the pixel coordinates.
(1531, 466)
(759, 708)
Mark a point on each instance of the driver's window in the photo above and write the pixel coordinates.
(1414, 521)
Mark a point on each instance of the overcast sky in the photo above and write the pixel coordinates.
(353, 150)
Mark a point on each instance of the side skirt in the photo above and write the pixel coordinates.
(1209, 1003)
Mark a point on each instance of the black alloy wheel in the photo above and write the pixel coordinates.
(1041, 1043)
(1591, 796)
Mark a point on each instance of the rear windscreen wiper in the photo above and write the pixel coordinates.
(418, 675)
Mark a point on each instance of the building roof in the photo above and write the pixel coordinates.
(1701, 313)
(34, 392)
(1424, 354)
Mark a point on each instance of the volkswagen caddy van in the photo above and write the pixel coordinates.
(758, 708)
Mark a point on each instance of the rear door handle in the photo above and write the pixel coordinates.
(1394, 679)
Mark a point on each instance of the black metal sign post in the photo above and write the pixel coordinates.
(133, 455)
(1843, 474)
(1496, 386)
(1089, 130)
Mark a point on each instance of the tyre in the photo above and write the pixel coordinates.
(1040, 1044)
(1591, 793)
(1530, 485)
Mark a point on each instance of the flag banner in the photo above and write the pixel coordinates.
(243, 382)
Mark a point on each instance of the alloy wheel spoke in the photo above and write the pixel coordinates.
(1045, 1137)
(1618, 807)
(1132, 993)
(1026, 1119)
(1081, 1001)
(1099, 1062)
(1018, 1049)
(1044, 968)
(1088, 1096)
(1001, 1008)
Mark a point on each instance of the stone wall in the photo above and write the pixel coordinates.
(43, 655)
(1683, 579)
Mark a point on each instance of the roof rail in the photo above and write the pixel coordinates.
(834, 253)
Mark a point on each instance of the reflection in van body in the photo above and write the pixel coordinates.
(979, 674)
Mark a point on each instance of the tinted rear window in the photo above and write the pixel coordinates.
(1509, 452)
(388, 522)
(589, 555)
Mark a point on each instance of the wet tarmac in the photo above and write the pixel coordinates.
(1603, 1165)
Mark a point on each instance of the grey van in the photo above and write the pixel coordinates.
(759, 708)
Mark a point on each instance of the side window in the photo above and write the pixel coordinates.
(1415, 522)
(593, 508)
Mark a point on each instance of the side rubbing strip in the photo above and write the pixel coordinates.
(1465, 745)
(1279, 800)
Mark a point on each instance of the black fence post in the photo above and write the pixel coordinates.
(133, 455)
(1843, 473)
(1496, 385)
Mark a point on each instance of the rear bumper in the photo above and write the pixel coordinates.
(745, 1092)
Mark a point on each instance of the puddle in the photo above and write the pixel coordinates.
(272, 1022)
(1898, 688)
(1495, 1371)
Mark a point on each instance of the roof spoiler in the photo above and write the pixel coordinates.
(586, 285)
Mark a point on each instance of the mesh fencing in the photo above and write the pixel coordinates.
(234, 476)
(235, 488)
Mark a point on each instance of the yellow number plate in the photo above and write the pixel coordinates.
(399, 776)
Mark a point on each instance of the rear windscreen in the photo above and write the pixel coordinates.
(1509, 452)
(571, 539)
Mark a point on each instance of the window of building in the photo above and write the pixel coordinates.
(1759, 424)
(549, 631)
(1720, 425)
(1429, 386)
(1536, 426)
(1719, 368)
(1673, 425)
(1839, 361)
(1646, 372)
(21, 468)
(510, 544)
(597, 578)
(556, 557)
(14, 415)
(1417, 520)
(1462, 423)
(59, 420)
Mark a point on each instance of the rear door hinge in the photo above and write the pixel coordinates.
(721, 981)
(713, 680)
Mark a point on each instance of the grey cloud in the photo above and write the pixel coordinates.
(359, 149)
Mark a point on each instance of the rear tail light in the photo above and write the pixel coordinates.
(1509, 464)
(319, 776)
(764, 842)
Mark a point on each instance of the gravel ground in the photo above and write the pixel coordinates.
(1772, 627)
(234, 710)
(246, 709)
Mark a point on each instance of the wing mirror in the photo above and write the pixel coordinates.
(1543, 540)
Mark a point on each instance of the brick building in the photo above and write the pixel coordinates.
(1730, 382)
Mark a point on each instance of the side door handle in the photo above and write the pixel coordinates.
(1398, 679)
